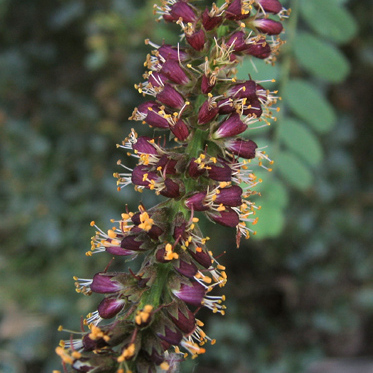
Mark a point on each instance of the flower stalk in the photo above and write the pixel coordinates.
(202, 168)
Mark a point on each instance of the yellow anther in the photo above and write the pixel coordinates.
(76, 355)
(111, 234)
(207, 280)
(148, 308)
(66, 358)
(164, 366)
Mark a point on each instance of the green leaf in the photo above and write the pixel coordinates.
(272, 200)
(271, 221)
(310, 105)
(297, 137)
(272, 190)
(294, 171)
(258, 69)
(329, 19)
(320, 58)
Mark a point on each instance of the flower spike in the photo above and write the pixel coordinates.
(199, 165)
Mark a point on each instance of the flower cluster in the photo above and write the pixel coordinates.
(202, 168)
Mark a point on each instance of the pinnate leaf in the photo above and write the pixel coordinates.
(299, 138)
(310, 105)
(294, 171)
(329, 19)
(321, 58)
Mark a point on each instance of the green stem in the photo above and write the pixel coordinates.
(196, 144)
(154, 295)
(194, 149)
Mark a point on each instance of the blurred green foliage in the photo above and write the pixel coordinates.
(302, 291)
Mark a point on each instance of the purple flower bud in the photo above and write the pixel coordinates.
(110, 307)
(174, 72)
(196, 201)
(181, 10)
(180, 130)
(270, 6)
(185, 268)
(117, 250)
(243, 90)
(209, 22)
(233, 58)
(206, 86)
(242, 148)
(258, 49)
(228, 217)
(201, 257)
(155, 232)
(171, 97)
(234, 11)
(186, 323)
(171, 189)
(141, 175)
(179, 231)
(168, 52)
(153, 351)
(192, 295)
(207, 112)
(146, 106)
(254, 107)
(149, 113)
(143, 145)
(136, 218)
(238, 41)
(193, 169)
(160, 255)
(170, 336)
(220, 173)
(232, 126)
(167, 165)
(132, 243)
(231, 196)
(102, 283)
(90, 345)
(226, 106)
(268, 26)
(196, 40)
